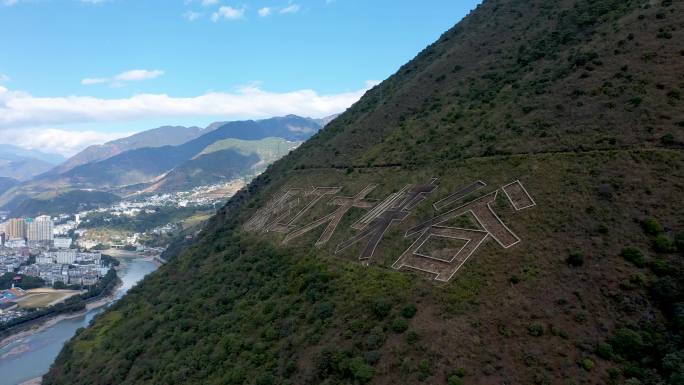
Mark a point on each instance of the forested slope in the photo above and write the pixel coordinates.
(505, 209)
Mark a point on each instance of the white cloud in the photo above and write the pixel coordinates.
(138, 75)
(91, 81)
(292, 8)
(228, 13)
(53, 140)
(268, 11)
(124, 77)
(19, 109)
(265, 11)
(192, 16)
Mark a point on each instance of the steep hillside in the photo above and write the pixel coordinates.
(22, 164)
(7, 183)
(157, 137)
(23, 168)
(503, 210)
(63, 202)
(145, 164)
(222, 161)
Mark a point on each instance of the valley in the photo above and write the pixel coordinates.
(502, 208)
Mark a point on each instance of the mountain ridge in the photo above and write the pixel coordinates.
(520, 126)
(147, 164)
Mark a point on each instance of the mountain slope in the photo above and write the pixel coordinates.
(22, 164)
(7, 183)
(147, 164)
(222, 161)
(144, 164)
(23, 169)
(63, 202)
(157, 137)
(14, 153)
(567, 110)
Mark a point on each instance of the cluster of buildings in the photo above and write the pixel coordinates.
(11, 260)
(70, 267)
(18, 232)
(22, 239)
(8, 308)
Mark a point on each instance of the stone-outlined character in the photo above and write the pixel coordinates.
(277, 207)
(275, 216)
(485, 216)
(333, 219)
(395, 208)
(518, 196)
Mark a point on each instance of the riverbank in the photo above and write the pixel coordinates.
(33, 350)
(36, 326)
(24, 331)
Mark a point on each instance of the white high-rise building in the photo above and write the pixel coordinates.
(40, 229)
(63, 256)
(62, 242)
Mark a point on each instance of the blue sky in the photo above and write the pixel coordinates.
(77, 72)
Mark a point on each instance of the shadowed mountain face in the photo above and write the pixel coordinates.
(223, 161)
(502, 210)
(65, 202)
(22, 164)
(147, 165)
(144, 164)
(158, 137)
(7, 183)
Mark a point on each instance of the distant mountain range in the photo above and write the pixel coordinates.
(157, 137)
(171, 158)
(23, 164)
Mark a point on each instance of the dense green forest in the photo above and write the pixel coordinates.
(143, 221)
(578, 100)
(62, 202)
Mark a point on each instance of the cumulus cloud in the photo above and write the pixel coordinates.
(292, 8)
(226, 12)
(268, 11)
(192, 16)
(58, 141)
(138, 75)
(19, 109)
(91, 81)
(124, 77)
(265, 11)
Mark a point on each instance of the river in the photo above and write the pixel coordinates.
(31, 356)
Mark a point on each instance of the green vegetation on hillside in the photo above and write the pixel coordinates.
(570, 97)
(63, 202)
(143, 221)
(268, 149)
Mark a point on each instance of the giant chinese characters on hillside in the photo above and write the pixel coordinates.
(285, 212)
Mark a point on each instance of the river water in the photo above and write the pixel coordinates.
(31, 356)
